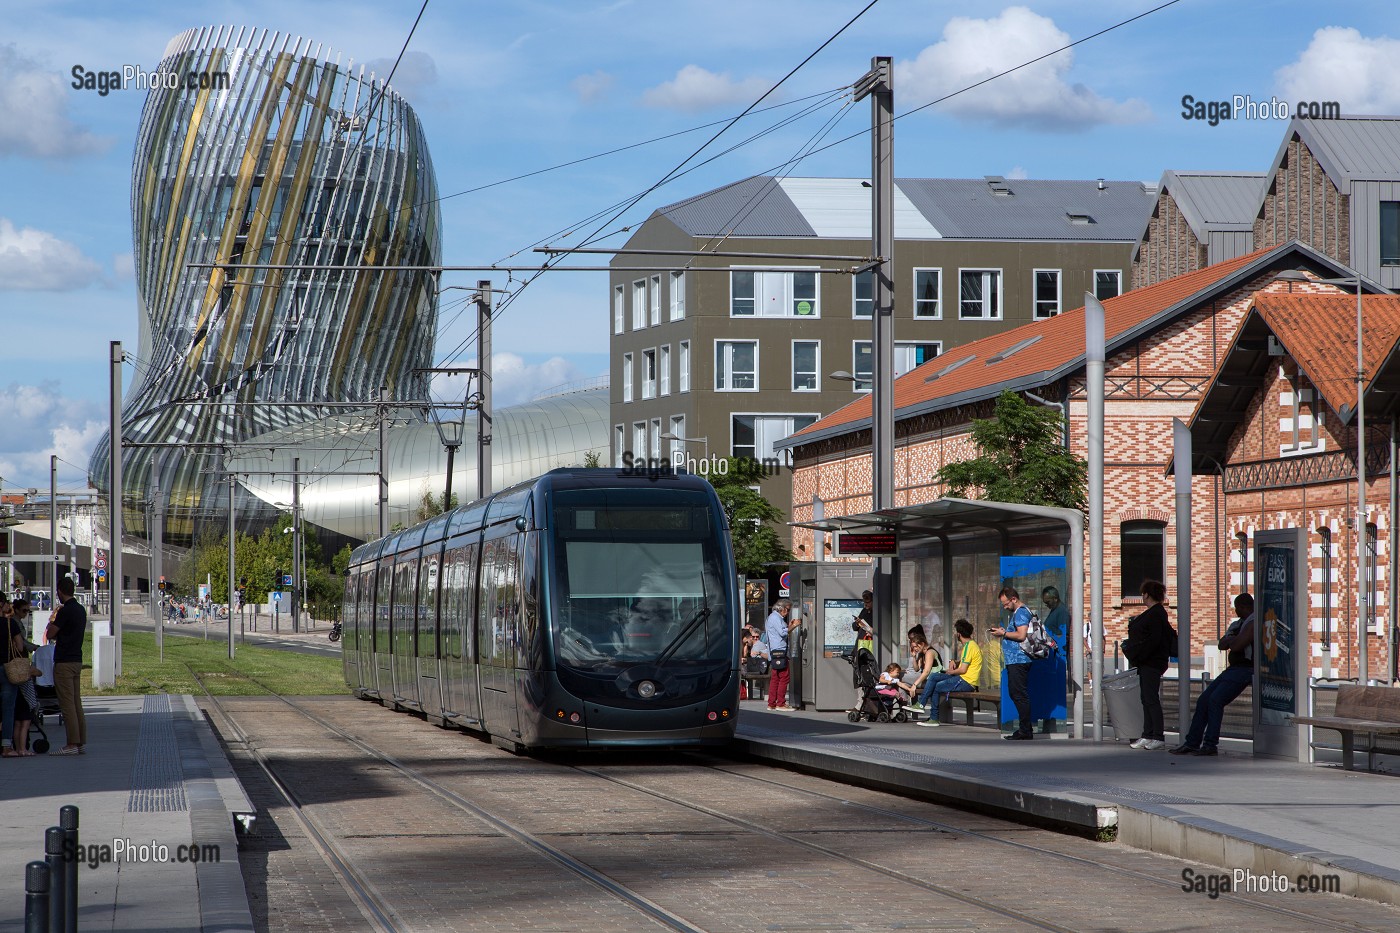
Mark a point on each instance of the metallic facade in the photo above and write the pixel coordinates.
(297, 160)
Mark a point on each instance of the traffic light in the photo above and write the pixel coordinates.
(242, 583)
(162, 584)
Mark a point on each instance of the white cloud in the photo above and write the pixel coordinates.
(1039, 95)
(33, 260)
(34, 112)
(1341, 64)
(416, 72)
(1017, 172)
(513, 380)
(41, 422)
(695, 89)
(124, 266)
(592, 87)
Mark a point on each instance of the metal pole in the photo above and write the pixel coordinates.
(157, 563)
(483, 414)
(1094, 350)
(296, 552)
(1181, 448)
(1363, 588)
(68, 822)
(232, 485)
(53, 531)
(36, 897)
(115, 591)
(383, 469)
(447, 493)
(58, 896)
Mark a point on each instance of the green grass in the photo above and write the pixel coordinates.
(282, 672)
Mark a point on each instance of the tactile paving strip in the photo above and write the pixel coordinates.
(157, 783)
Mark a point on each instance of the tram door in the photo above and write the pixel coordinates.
(459, 691)
(429, 578)
(381, 673)
(403, 631)
(497, 619)
(349, 658)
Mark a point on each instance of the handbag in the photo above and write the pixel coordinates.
(780, 660)
(18, 670)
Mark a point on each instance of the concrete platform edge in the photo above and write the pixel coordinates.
(223, 899)
(1064, 812)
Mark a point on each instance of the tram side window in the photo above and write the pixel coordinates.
(498, 617)
(466, 587)
(381, 609)
(364, 617)
(347, 611)
(529, 599)
(405, 576)
(427, 608)
(486, 604)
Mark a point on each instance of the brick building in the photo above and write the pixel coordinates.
(1166, 344)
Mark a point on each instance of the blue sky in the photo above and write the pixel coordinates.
(510, 87)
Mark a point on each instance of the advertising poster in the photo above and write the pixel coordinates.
(1030, 575)
(1277, 631)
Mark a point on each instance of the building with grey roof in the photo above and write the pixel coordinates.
(731, 354)
(1200, 219)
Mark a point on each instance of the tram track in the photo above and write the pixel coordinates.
(1313, 920)
(510, 828)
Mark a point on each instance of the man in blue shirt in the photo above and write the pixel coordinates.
(1018, 664)
(777, 629)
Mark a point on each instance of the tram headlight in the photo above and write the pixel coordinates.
(646, 689)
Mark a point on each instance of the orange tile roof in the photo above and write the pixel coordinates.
(1061, 343)
(1319, 332)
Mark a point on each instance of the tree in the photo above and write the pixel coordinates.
(592, 459)
(431, 506)
(750, 516)
(1023, 459)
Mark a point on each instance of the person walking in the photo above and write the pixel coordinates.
(1238, 639)
(67, 626)
(777, 628)
(1018, 663)
(1148, 649)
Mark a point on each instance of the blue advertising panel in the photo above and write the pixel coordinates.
(1276, 611)
(1030, 575)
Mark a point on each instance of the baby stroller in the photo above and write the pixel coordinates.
(48, 706)
(873, 703)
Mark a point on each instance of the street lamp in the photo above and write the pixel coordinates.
(668, 436)
(1363, 596)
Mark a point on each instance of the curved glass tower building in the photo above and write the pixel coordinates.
(294, 159)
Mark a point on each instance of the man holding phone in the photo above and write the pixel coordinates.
(1018, 663)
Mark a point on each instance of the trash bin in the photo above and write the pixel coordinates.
(1123, 694)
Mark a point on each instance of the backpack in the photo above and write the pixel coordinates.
(1038, 644)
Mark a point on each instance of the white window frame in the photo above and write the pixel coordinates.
(724, 367)
(619, 309)
(654, 298)
(1035, 294)
(772, 415)
(619, 443)
(654, 439)
(677, 284)
(1001, 293)
(683, 366)
(649, 377)
(856, 300)
(909, 345)
(627, 377)
(639, 304)
(937, 314)
(868, 385)
(663, 363)
(639, 439)
(1117, 274)
(677, 428)
(816, 370)
(773, 294)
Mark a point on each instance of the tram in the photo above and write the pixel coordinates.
(586, 608)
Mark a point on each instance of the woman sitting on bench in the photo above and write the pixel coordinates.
(961, 676)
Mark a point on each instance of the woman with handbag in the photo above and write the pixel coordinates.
(28, 699)
(18, 671)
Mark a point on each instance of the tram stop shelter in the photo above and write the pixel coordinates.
(952, 556)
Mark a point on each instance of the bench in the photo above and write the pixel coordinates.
(758, 684)
(1372, 711)
(971, 698)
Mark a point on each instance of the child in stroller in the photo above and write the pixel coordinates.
(878, 699)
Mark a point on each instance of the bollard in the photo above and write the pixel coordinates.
(36, 897)
(68, 822)
(53, 855)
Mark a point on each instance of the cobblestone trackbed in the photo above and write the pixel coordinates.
(401, 825)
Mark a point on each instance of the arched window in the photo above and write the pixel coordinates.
(1143, 556)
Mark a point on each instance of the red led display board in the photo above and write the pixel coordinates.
(867, 544)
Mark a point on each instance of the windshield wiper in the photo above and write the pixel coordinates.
(690, 627)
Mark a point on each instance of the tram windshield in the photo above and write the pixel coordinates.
(638, 579)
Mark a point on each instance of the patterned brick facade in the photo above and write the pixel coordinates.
(1169, 246)
(1304, 204)
(1148, 383)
